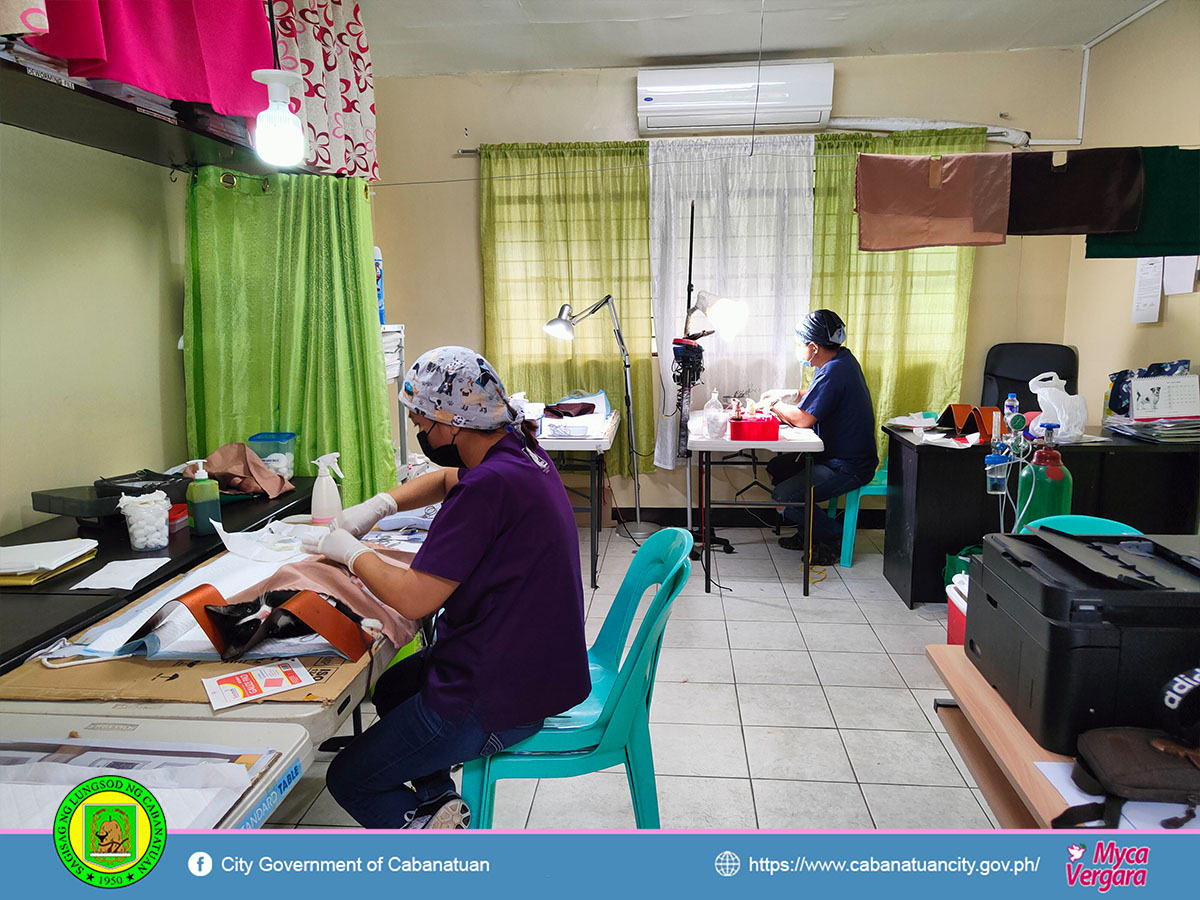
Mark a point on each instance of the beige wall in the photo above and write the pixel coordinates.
(1144, 89)
(91, 295)
(429, 233)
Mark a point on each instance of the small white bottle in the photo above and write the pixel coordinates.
(326, 501)
(714, 416)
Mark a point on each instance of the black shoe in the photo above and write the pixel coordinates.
(822, 554)
(825, 555)
(445, 812)
(792, 542)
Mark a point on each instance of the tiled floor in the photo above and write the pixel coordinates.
(771, 709)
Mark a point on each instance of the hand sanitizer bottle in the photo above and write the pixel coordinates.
(203, 501)
(326, 501)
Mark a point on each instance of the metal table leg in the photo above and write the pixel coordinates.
(706, 515)
(808, 493)
(595, 485)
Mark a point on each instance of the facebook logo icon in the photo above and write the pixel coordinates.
(200, 864)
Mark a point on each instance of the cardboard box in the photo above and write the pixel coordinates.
(179, 680)
(140, 679)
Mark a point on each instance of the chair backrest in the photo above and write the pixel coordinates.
(630, 692)
(655, 560)
(1009, 367)
(1081, 525)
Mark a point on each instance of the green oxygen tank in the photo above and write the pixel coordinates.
(1049, 483)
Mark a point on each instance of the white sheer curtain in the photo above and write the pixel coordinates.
(754, 231)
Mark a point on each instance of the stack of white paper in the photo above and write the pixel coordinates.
(43, 557)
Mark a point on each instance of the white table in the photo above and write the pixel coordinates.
(595, 448)
(791, 440)
(255, 805)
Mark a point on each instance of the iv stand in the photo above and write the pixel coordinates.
(688, 367)
(639, 531)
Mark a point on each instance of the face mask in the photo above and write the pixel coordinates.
(800, 355)
(445, 455)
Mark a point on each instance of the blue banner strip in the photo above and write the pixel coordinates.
(294, 864)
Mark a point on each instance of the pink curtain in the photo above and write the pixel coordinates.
(324, 41)
(197, 50)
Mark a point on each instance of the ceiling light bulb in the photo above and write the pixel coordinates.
(279, 133)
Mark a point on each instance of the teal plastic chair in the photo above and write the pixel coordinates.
(877, 487)
(1081, 525)
(612, 726)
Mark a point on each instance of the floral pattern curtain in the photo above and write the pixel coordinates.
(324, 41)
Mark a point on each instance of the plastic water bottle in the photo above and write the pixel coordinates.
(1011, 406)
(714, 416)
(379, 285)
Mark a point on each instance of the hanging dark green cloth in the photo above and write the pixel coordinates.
(1093, 192)
(1170, 223)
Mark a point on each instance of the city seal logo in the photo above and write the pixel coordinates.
(110, 832)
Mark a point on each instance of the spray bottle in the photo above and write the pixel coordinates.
(326, 501)
(203, 501)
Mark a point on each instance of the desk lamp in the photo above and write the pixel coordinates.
(562, 327)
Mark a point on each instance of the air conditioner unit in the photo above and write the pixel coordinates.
(789, 96)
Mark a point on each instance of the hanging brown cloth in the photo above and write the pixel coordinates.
(1094, 192)
(958, 199)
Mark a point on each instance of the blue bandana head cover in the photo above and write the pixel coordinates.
(821, 326)
(457, 386)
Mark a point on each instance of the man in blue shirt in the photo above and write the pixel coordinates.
(837, 405)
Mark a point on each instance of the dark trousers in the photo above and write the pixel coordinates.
(830, 479)
(404, 758)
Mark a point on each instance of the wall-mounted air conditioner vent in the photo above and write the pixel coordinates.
(790, 96)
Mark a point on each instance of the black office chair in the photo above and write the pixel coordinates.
(1009, 367)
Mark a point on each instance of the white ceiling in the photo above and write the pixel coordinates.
(421, 37)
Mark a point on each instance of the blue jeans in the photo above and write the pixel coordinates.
(830, 479)
(410, 744)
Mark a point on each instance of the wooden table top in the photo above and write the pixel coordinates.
(1015, 752)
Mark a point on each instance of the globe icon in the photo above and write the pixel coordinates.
(727, 863)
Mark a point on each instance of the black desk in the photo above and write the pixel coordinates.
(32, 617)
(937, 502)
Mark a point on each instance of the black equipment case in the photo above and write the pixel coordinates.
(1081, 632)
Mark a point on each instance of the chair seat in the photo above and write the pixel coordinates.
(876, 487)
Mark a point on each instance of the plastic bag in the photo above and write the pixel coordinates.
(1068, 411)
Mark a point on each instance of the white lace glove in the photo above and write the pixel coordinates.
(339, 545)
(360, 519)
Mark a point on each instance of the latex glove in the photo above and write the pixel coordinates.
(360, 519)
(785, 395)
(339, 545)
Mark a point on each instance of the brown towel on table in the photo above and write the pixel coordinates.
(238, 469)
(958, 199)
(1094, 192)
(333, 579)
(562, 410)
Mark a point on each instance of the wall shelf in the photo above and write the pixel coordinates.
(76, 113)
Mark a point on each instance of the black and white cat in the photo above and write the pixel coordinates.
(243, 625)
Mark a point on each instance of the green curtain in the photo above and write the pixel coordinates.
(905, 310)
(281, 330)
(569, 223)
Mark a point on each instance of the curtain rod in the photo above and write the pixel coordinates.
(471, 151)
